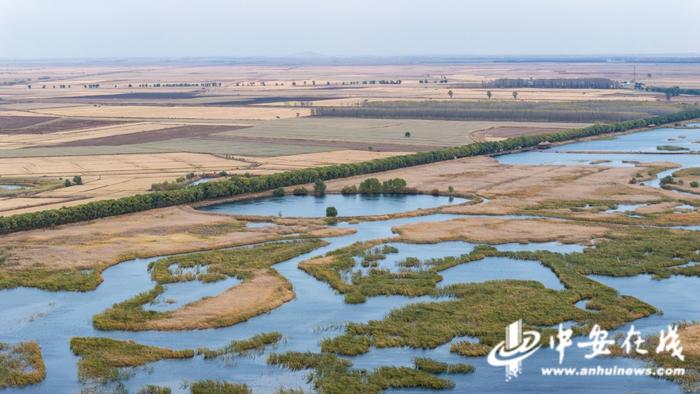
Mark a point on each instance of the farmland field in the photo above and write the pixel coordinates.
(378, 132)
(152, 112)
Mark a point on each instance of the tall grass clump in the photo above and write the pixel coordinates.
(332, 374)
(101, 358)
(21, 364)
(241, 347)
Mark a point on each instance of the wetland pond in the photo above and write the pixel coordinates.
(353, 205)
(318, 312)
(624, 150)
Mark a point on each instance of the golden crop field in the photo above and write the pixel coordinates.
(152, 112)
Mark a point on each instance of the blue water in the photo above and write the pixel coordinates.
(180, 294)
(355, 205)
(500, 268)
(533, 247)
(619, 151)
(259, 224)
(625, 208)
(11, 187)
(203, 180)
(677, 297)
(645, 141)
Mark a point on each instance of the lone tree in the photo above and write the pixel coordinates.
(489, 94)
(450, 93)
(407, 134)
(515, 95)
(300, 191)
(370, 186)
(67, 183)
(78, 180)
(331, 212)
(319, 187)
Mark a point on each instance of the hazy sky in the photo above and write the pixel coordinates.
(156, 28)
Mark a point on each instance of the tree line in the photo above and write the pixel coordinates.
(480, 114)
(517, 111)
(242, 184)
(553, 83)
(673, 91)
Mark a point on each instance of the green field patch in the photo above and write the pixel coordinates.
(331, 374)
(102, 358)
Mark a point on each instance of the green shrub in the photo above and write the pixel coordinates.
(667, 180)
(348, 190)
(694, 184)
(279, 192)
(355, 298)
(370, 186)
(396, 185)
(319, 187)
(300, 191)
(331, 212)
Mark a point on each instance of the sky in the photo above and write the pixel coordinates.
(51, 29)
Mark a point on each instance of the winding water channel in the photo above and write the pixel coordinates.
(52, 318)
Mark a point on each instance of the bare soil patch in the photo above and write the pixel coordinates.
(497, 230)
(690, 338)
(187, 131)
(264, 292)
(503, 132)
(104, 242)
(175, 112)
(9, 123)
(48, 125)
(140, 95)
